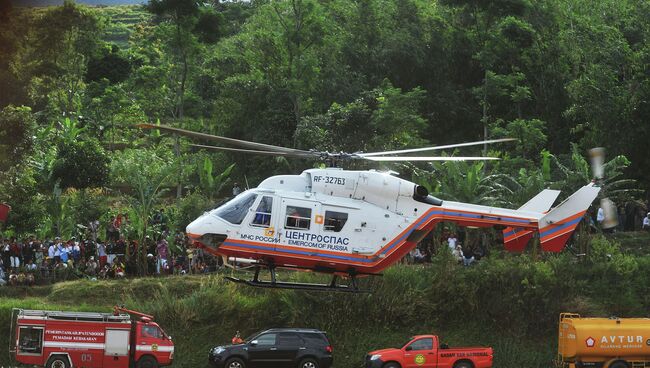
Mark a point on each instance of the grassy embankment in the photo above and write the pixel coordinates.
(508, 302)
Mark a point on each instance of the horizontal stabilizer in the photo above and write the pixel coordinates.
(542, 202)
(516, 239)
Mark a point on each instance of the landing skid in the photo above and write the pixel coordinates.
(274, 284)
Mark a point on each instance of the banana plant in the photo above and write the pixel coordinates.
(212, 184)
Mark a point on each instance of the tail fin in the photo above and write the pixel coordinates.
(558, 225)
(515, 239)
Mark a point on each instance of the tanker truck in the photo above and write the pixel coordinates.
(603, 342)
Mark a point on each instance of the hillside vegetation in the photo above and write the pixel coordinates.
(509, 302)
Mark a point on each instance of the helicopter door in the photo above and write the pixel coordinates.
(261, 221)
(300, 223)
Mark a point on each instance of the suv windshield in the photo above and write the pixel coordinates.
(235, 210)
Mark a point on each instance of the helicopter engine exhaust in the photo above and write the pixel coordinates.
(421, 194)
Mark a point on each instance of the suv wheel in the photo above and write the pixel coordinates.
(235, 363)
(308, 363)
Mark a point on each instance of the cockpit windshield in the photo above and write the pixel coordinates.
(235, 210)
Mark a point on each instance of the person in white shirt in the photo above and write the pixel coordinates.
(50, 253)
(458, 253)
(600, 216)
(646, 222)
(31, 267)
(451, 241)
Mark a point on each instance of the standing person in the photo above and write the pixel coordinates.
(646, 222)
(236, 190)
(28, 250)
(237, 339)
(51, 251)
(6, 253)
(163, 252)
(16, 254)
(3, 282)
(458, 253)
(39, 251)
(65, 252)
(451, 241)
(600, 217)
(76, 252)
(101, 253)
(57, 250)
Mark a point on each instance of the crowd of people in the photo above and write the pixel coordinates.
(448, 241)
(31, 260)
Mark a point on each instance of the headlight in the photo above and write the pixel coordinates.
(375, 357)
(218, 350)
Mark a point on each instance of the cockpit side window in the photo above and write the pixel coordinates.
(298, 218)
(235, 210)
(334, 221)
(263, 213)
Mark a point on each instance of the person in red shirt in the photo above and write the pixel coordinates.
(237, 339)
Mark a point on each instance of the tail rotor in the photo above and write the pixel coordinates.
(609, 215)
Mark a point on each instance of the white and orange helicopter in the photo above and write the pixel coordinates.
(352, 224)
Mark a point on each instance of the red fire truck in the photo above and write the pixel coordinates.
(121, 339)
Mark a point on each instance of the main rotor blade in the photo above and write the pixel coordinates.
(436, 147)
(255, 152)
(430, 158)
(233, 141)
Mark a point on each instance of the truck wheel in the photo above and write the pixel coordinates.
(463, 365)
(147, 362)
(391, 365)
(619, 365)
(308, 363)
(235, 363)
(58, 361)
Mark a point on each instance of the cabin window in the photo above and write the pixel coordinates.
(298, 218)
(235, 210)
(289, 339)
(263, 213)
(334, 221)
(422, 344)
(266, 339)
(30, 340)
(151, 331)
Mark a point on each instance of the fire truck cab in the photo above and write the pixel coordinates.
(89, 340)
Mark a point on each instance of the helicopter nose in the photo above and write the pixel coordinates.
(207, 230)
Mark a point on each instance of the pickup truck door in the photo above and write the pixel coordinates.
(421, 353)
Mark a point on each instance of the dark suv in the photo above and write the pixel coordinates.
(276, 348)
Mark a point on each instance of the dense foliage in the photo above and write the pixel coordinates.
(561, 76)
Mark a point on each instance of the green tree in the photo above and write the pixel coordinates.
(17, 127)
(147, 178)
(384, 118)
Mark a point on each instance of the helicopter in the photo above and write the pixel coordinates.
(355, 223)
